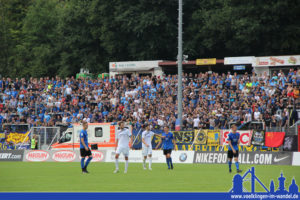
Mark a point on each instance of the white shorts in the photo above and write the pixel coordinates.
(123, 150)
(147, 151)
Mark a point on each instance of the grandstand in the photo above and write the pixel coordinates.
(215, 99)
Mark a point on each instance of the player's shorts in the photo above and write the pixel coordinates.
(147, 151)
(123, 150)
(167, 151)
(231, 154)
(84, 153)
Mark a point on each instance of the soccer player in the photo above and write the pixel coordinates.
(168, 144)
(147, 146)
(233, 148)
(84, 148)
(124, 136)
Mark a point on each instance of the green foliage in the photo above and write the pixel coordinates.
(49, 37)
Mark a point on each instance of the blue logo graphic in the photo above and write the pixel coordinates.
(238, 188)
(183, 157)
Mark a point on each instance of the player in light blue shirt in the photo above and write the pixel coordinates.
(168, 144)
(233, 148)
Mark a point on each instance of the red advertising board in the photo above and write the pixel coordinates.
(64, 156)
(98, 156)
(245, 137)
(37, 156)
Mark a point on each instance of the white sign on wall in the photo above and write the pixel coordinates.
(239, 60)
(133, 65)
(277, 61)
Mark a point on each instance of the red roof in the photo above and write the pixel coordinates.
(192, 62)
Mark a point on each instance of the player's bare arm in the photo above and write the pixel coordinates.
(143, 140)
(174, 144)
(233, 150)
(117, 144)
(131, 141)
(159, 135)
(158, 144)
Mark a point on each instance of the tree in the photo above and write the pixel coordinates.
(50, 37)
(38, 52)
(12, 13)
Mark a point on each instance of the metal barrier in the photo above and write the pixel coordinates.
(50, 135)
(46, 136)
(288, 130)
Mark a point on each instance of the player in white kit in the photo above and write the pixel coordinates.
(146, 145)
(124, 136)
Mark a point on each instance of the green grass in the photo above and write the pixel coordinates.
(67, 177)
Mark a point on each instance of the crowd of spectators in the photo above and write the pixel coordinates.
(209, 100)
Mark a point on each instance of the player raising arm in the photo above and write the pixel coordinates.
(168, 144)
(124, 138)
(147, 145)
(233, 148)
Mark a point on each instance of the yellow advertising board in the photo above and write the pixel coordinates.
(208, 61)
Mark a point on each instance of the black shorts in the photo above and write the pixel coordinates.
(231, 154)
(84, 153)
(167, 151)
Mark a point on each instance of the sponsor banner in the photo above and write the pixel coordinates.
(245, 137)
(290, 143)
(183, 156)
(136, 156)
(276, 61)
(60, 156)
(133, 65)
(208, 61)
(98, 156)
(239, 60)
(258, 138)
(256, 158)
(213, 137)
(11, 155)
(64, 156)
(37, 156)
(296, 159)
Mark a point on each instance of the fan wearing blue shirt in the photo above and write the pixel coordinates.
(84, 148)
(168, 144)
(233, 148)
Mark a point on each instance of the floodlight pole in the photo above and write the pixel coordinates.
(179, 63)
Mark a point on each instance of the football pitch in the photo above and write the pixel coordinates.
(67, 177)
